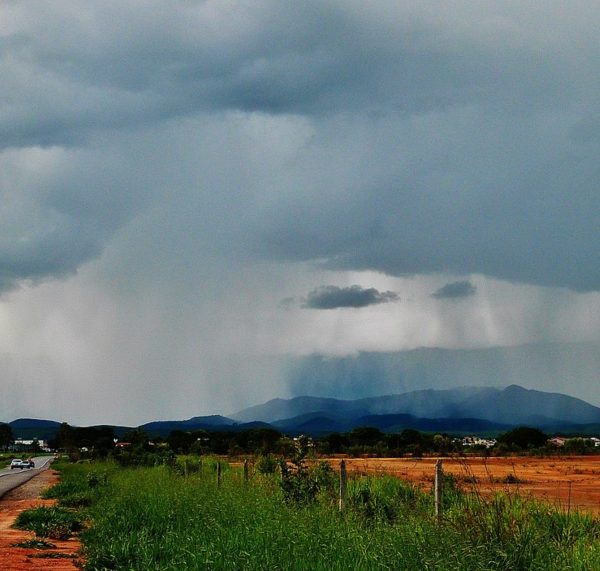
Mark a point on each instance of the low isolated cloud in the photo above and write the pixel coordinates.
(334, 297)
(455, 290)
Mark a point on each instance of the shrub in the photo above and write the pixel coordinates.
(266, 464)
(298, 484)
(511, 479)
(325, 477)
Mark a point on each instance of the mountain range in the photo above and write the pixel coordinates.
(459, 410)
(511, 405)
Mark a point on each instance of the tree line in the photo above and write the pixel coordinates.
(102, 442)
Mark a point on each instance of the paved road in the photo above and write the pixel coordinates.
(10, 479)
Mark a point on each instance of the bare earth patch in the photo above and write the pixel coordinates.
(570, 483)
(26, 559)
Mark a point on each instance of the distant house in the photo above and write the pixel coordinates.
(477, 441)
(560, 441)
(557, 441)
(28, 444)
(310, 443)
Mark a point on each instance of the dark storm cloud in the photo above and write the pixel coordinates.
(455, 290)
(70, 69)
(450, 140)
(333, 297)
(461, 192)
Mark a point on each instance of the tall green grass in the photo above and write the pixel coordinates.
(53, 522)
(159, 519)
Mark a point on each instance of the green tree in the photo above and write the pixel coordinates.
(137, 438)
(180, 441)
(6, 435)
(524, 437)
(366, 436)
(336, 442)
(578, 445)
(65, 437)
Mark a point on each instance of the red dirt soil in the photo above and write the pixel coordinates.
(24, 559)
(570, 483)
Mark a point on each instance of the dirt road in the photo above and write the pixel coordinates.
(26, 559)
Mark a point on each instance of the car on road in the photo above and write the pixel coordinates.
(21, 464)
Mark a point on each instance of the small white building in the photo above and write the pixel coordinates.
(477, 441)
(557, 441)
(27, 443)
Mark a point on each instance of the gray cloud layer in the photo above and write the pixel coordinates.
(457, 140)
(455, 290)
(333, 297)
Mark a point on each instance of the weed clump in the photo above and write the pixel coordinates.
(34, 544)
(372, 506)
(512, 479)
(53, 555)
(52, 522)
(77, 493)
(94, 479)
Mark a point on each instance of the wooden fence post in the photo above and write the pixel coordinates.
(218, 473)
(245, 469)
(438, 485)
(343, 485)
(185, 468)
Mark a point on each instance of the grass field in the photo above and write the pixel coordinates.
(158, 518)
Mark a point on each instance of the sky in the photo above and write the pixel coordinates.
(199, 200)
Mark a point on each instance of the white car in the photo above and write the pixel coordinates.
(18, 463)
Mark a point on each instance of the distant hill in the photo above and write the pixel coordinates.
(314, 423)
(462, 410)
(34, 428)
(163, 427)
(512, 405)
(321, 423)
(47, 429)
(542, 366)
(280, 409)
(34, 423)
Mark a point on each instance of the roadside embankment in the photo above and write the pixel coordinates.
(60, 557)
